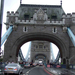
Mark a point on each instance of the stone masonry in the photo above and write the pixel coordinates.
(40, 22)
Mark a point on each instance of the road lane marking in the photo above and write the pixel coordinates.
(29, 71)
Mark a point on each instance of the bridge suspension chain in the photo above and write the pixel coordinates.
(71, 35)
(5, 36)
(27, 55)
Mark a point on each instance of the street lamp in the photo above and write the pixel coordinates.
(1, 17)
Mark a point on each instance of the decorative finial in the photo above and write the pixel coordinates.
(20, 2)
(61, 2)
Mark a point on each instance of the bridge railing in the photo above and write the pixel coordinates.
(21, 55)
(27, 55)
(72, 66)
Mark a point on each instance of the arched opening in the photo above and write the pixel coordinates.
(46, 37)
(37, 47)
(39, 36)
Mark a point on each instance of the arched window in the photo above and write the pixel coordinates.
(64, 61)
(25, 29)
(26, 16)
(54, 17)
(54, 30)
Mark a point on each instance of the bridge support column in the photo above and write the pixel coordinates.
(65, 61)
(47, 61)
(10, 59)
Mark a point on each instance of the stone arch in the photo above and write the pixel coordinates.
(43, 55)
(38, 36)
(40, 55)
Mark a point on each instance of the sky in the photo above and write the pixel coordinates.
(12, 5)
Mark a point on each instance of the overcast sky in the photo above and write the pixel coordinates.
(12, 5)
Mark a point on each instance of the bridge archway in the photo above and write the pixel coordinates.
(40, 56)
(34, 36)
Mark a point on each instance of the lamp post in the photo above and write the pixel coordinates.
(1, 18)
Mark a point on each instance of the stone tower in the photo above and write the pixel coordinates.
(40, 50)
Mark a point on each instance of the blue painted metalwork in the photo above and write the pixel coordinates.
(71, 35)
(28, 52)
(52, 54)
(21, 55)
(57, 58)
(5, 36)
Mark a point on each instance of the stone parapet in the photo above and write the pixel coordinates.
(12, 13)
(69, 18)
(14, 18)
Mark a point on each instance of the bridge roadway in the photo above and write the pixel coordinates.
(40, 70)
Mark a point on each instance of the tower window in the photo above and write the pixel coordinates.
(54, 30)
(40, 46)
(25, 29)
(54, 17)
(36, 46)
(44, 47)
(26, 17)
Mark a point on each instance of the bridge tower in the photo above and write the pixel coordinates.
(40, 22)
(40, 50)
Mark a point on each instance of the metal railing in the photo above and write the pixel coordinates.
(21, 55)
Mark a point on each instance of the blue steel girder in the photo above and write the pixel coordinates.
(57, 58)
(52, 52)
(5, 36)
(28, 52)
(21, 55)
(71, 35)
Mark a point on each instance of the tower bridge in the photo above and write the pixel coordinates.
(40, 50)
(40, 22)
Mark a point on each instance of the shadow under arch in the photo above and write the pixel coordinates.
(40, 36)
(40, 56)
(37, 55)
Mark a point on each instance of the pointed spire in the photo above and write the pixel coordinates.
(20, 2)
(61, 2)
